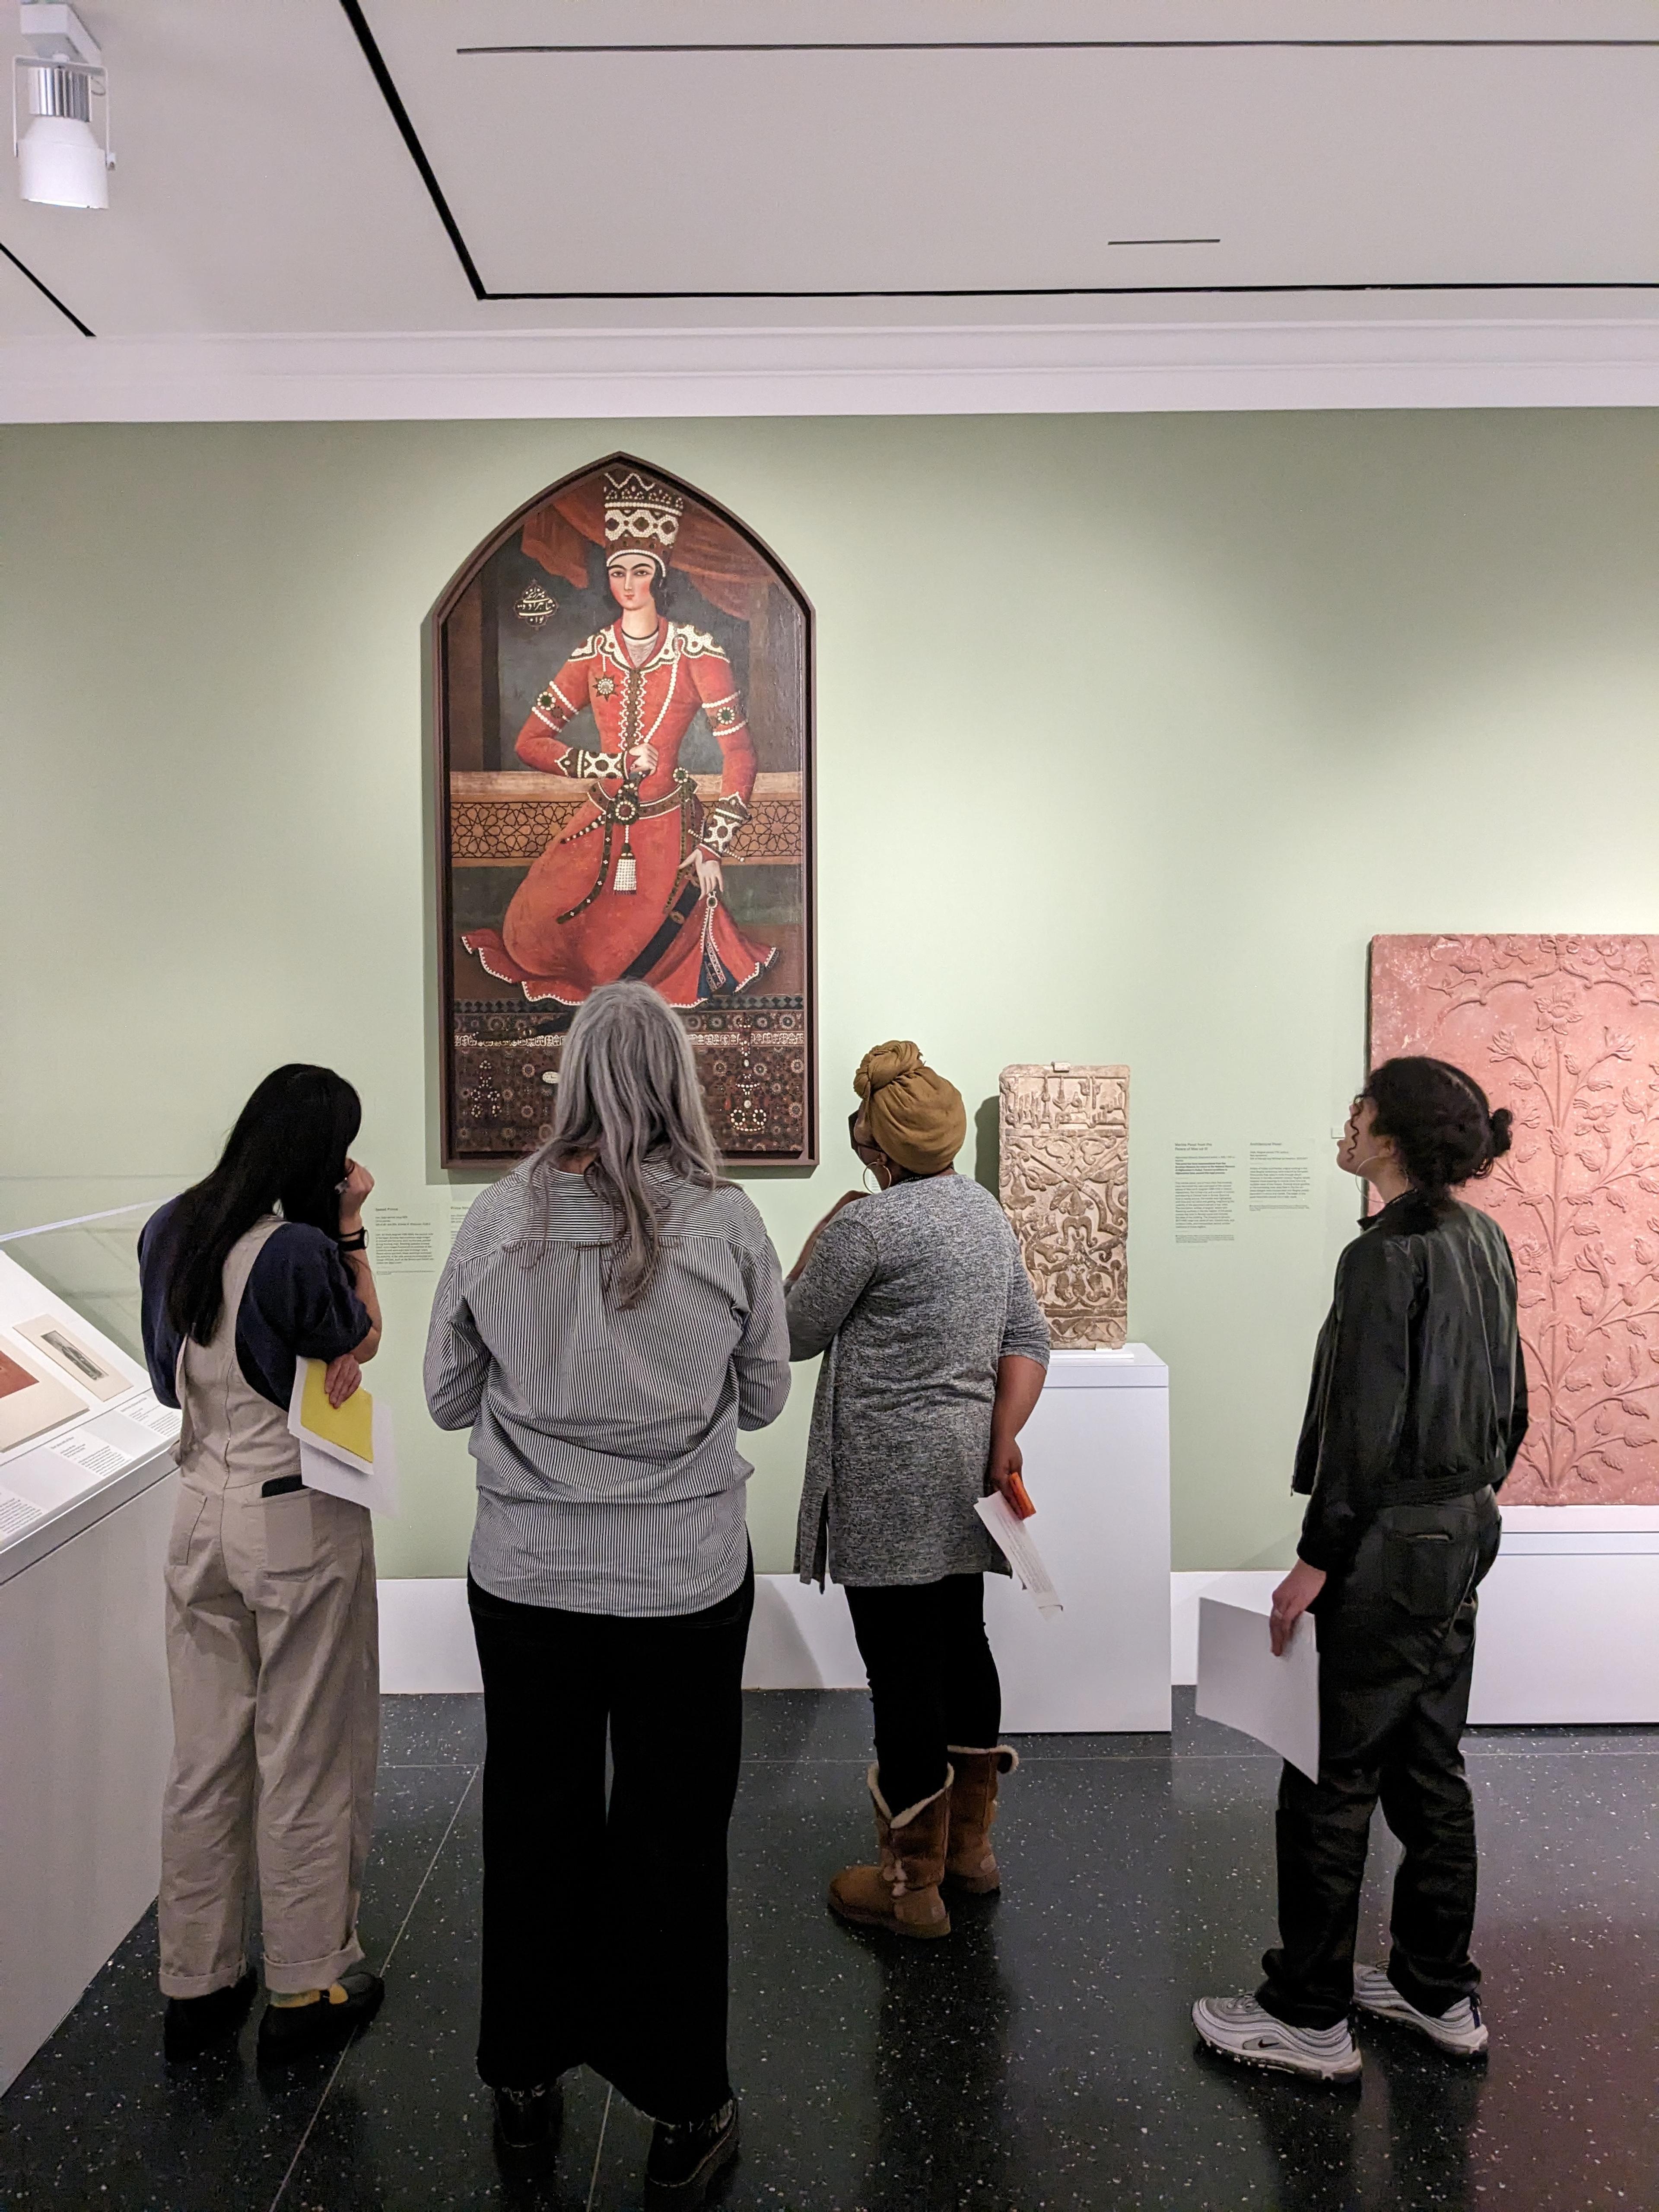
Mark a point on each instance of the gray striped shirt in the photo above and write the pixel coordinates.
(606, 1441)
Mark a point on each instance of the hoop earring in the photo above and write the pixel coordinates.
(874, 1189)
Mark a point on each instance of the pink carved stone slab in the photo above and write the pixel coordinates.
(1565, 1032)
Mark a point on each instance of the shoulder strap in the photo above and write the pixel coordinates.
(240, 1262)
(238, 1266)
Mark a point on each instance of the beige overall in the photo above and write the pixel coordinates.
(273, 1658)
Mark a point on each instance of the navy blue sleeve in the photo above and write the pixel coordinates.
(161, 1340)
(298, 1304)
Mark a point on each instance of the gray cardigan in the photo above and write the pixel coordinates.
(913, 1295)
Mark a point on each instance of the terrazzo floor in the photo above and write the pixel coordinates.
(1041, 2060)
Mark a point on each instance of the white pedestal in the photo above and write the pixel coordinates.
(1098, 1466)
(85, 1734)
(1568, 1626)
(1569, 1632)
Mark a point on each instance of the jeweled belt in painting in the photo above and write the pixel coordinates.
(619, 809)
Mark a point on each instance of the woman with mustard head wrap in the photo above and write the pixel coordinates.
(935, 1351)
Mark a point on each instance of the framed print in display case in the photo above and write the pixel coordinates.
(30, 1402)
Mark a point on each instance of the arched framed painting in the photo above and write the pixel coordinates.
(623, 725)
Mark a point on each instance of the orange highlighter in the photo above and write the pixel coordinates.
(1022, 1503)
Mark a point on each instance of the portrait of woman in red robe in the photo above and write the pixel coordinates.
(622, 687)
(634, 883)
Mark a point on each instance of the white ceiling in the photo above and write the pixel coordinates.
(264, 184)
(1010, 169)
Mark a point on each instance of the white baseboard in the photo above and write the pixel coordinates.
(797, 1641)
(1568, 1636)
(425, 1639)
(801, 1639)
(1245, 1586)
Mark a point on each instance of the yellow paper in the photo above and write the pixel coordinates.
(350, 1426)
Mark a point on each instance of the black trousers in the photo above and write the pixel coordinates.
(932, 1680)
(1396, 1654)
(605, 1936)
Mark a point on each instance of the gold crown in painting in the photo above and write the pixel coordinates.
(640, 514)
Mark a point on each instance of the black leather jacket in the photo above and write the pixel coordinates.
(1419, 1389)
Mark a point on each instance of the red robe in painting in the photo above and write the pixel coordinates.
(569, 928)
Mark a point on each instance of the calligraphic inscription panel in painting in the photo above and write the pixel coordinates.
(1565, 1032)
(1065, 1186)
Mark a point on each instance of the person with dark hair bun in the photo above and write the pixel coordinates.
(1444, 1132)
(1417, 1409)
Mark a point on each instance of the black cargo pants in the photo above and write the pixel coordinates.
(1396, 1654)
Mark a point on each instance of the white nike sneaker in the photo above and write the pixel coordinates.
(1461, 2030)
(1239, 2028)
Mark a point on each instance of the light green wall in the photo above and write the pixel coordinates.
(1132, 732)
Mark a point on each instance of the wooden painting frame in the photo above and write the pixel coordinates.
(784, 1075)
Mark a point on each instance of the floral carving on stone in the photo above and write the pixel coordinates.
(1565, 1032)
(1065, 1186)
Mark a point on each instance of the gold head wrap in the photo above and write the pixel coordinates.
(916, 1117)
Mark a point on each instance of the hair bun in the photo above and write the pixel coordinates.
(884, 1064)
(1502, 1122)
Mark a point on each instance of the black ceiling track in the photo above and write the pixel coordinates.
(1117, 291)
(411, 139)
(68, 313)
(480, 291)
(1042, 46)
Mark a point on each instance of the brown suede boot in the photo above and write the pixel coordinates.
(901, 1892)
(969, 1859)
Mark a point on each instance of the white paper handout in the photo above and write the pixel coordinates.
(1241, 1684)
(362, 1467)
(1009, 1534)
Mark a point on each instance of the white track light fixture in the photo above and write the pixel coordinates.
(61, 160)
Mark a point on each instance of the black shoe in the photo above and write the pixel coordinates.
(290, 2031)
(685, 2159)
(190, 2024)
(529, 2119)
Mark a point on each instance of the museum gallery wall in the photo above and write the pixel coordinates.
(1131, 734)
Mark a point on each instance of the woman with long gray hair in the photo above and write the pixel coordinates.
(611, 1317)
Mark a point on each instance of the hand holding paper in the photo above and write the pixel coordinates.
(342, 1378)
(1017, 1496)
(349, 1425)
(1009, 1532)
(345, 1450)
(1292, 1600)
(1243, 1685)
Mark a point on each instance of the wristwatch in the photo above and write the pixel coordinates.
(357, 1243)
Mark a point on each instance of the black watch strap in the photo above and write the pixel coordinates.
(358, 1243)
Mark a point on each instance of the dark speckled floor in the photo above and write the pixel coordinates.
(1041, 2059)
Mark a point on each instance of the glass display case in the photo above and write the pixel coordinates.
(86, 1490)
(81, 1430)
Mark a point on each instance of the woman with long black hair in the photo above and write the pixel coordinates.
(271, 1607)
(1417, 1409)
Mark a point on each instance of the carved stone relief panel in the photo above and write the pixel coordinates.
(1565, 1032)
(1065, 1186)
